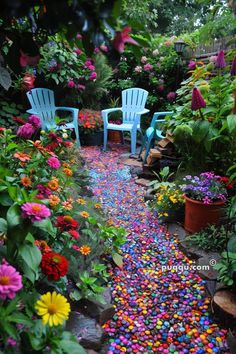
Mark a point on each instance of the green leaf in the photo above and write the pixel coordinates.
(71, 347)
(20, 318)
(14, 215)
(118, 260)
(231, 120)
(11, 330)
(46, 225)
(3, 225)
(31, 256)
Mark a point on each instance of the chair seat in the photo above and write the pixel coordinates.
(124, 126)
(60, 127)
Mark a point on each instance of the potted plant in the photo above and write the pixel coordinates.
(205, 195)
(90, 127)
(169, 202)
(115, 136)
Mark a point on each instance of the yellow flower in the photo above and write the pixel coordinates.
(53, 308)
(84, 214)
(85, 250)
(81, 201)
(165, 214)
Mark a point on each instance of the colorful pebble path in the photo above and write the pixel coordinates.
(157, 311)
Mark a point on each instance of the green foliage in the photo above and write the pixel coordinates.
(95, 90)
(8, 110)
(213, 238)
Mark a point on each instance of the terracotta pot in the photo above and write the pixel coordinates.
(199, 215)
(114, 136)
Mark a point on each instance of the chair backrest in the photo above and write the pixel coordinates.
(133, 101)
(43, 104)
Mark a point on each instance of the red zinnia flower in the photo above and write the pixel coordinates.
(54, 265)
(66, 222)
(121, 38)
(74, 234)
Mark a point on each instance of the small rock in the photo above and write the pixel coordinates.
(143, 182)
(91, 351)
(132, 162)
(89, 333)
(206, 263)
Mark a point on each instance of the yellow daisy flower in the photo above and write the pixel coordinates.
(97, 206)
(81, 201)
(53, 308)
(84, 214)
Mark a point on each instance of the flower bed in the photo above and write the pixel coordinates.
(51, 241)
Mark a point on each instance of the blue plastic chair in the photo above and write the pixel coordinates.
(153, 132)
(133, 102)
(43, 105)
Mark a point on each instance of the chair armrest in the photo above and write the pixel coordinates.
(144, 111)
(105, 113)
(74, 111)
(156, 115)
(31, 111)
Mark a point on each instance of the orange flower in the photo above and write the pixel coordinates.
(53, 200)
(97, 206)
(85, 250)
(67, 205)
(84, 214)
(65, 164)
(42, 245)
(26, 181)
(37, 144)
(68, 172)
(53, 184)
(22, 156)
(73, 161)
(81, 201)
(110, 222)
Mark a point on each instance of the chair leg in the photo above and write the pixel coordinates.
(144, 138)
(105, 139)
(133, 141)
(77, 136)
(147, 149)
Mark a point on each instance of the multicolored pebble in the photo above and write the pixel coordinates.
(157, 310)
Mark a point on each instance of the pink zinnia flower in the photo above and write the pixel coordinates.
(197, 100)
(88, 63)
(44, 192)
(35, 211)
(96, 50)
(79, 36)
(104, 48)
(12, 342)
(220, 61)
(70, 83)
(10, 281)
(26, 131)
(76, 248)
(93, 76)
(54, 163)
(78, 51)
(35, 121)
(147, 67)
(74, 234)
(91, 67)
(121, 38)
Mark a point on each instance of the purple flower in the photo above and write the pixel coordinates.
(35, 121)
(26, 131)
(233, 67)
(35, 211)
(220, 61)
(10, 281)
(93, 76)
(147, 67)
(171, 96)
(197, 100)
(192, 65)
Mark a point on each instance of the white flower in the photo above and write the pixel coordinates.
(138, 69)
(155, 52)
(65, 136)
(143, 60)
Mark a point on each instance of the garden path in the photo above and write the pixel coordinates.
(157, 311)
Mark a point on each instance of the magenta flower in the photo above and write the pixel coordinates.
(96, 50)
(78, 51)
(220, 61)
(192, 65)
(35, 211)
(10, 281)
(91, 67)
(26, 131)
(233, 67)
(54, 163)
(70, 83)
(171, 96)
(197, 100)
(44, 192)
(104, 48)
(81, 87)
(121, 38)
(12, 342)
(79, 36)
(147, 67)
(88, 63)
(93, 76)
(35, 121)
